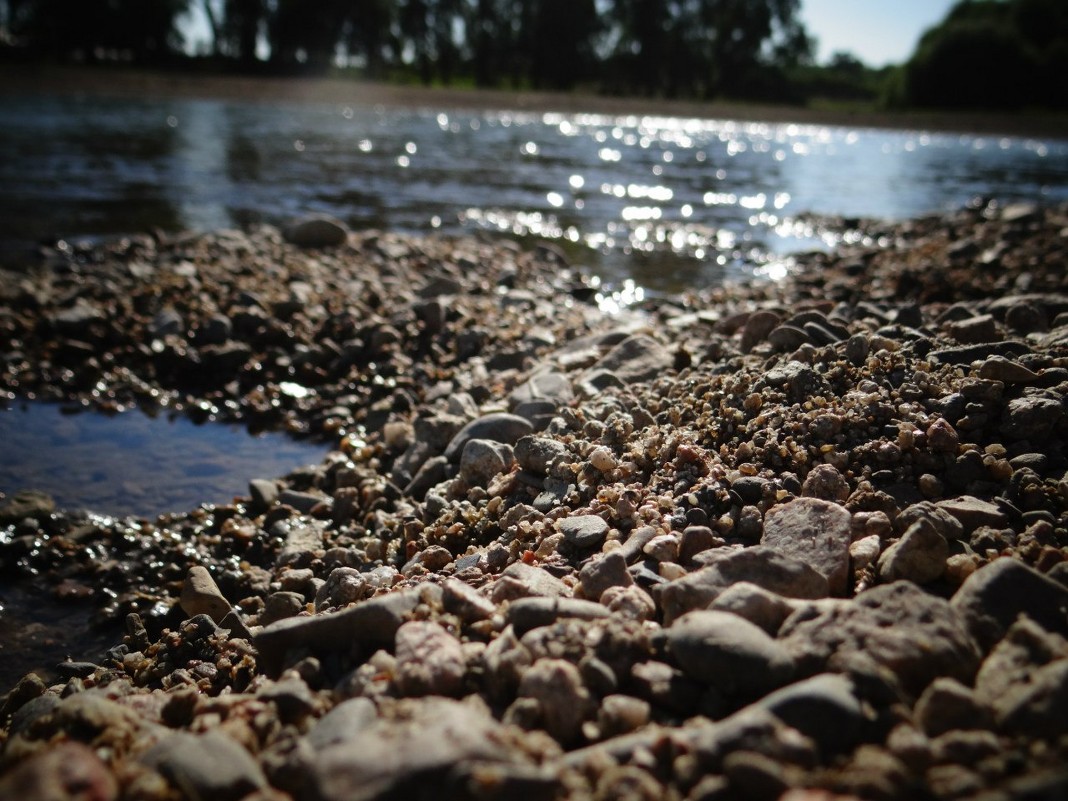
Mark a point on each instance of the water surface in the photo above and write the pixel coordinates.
(133, 464)
(665, 202)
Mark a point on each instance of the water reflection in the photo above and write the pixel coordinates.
(700, 199)
(132, 464)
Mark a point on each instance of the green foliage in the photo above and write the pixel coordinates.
(994, 54)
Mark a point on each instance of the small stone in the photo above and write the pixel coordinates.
(562, 699)
(344, 722)
(529, 580)
(912, 633)
(919, 556)
(601, 458)
(202, 596)
(857, 349)
(525, 614)
(430, 661)
(583, 531)
(316, 232)
(758, 564)
(602, 572)
(816, 532)
(263, 493)
(865, 551)
(975, 330)
(280, 605)
(757, 328)
(942, 437)
(303, 502)
(496, 427)
(1026, 318)
(436, 742)
(211, 765)
(824, 708)
(67, 771)
(992, 597)
(826, 483)
(662, 548)
(728, 652)
(637, 358)
(465, 601)
(538, 454)
(1031, 418)
(947, 704)
(631, 602)
(786, 338)
(482, 459)
(973, 513)
(998, 368)
(755, 604)
(695, 540)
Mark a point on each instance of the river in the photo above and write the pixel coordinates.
(665, 202)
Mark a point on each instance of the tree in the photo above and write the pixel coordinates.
(990, 54)
(369, 33)
(138, 30)
(562, 53)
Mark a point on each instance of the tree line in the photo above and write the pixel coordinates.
(699, 48)
(984, 54)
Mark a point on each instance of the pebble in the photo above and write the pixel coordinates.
(603, 572)
(583, 531)
(496, 427)
(685, 432)
(430, 661)
(816, 532)
(737, 657)
(917, 636)
(992, 597)
(759, 565)
(919, 556)
(211, 765)
(316, 232)
(202, 596)
(482, 459)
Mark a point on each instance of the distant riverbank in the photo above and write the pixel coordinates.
(102, 80)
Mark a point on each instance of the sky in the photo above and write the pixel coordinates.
(878, 32)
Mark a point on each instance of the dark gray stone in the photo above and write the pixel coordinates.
(342, 723)
(729, 653)
(436, 743)
(374, 621)
(210, 765)
(724, 567)
(583, 531)
(824, 707)
(316, 232)
(496, 427)
(637, 358)
(915, 635)
(993, 597)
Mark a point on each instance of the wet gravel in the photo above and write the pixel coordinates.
(800, 540)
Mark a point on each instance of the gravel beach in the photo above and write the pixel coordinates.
(800, 540)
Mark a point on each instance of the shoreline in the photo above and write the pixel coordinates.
(121, 82)
(802, 538)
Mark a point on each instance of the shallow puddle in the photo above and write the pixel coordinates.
(133, 464)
